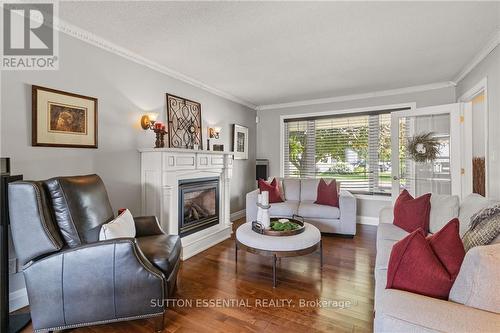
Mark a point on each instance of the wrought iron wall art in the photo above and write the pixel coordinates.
(184, 123)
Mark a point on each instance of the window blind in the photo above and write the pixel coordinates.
(354, 149)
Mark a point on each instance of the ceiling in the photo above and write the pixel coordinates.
(278, 52)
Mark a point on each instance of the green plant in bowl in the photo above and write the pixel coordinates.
(284, 226)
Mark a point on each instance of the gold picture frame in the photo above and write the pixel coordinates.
(63, 119)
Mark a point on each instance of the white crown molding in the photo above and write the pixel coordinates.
(492, 43)
(381, 93)
(105, 44)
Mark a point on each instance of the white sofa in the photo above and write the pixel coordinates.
(477, 303)
(300, 195)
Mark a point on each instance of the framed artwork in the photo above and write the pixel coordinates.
(184, 123)
(63, 119)
(218, 148)
(240, 142)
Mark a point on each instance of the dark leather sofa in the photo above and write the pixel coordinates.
(72, 278)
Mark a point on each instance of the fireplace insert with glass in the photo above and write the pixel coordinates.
(198, 204)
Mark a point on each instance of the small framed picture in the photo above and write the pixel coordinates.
(63, 119)
(240, 142)
(218, 147)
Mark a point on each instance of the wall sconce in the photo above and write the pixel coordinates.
(213, 132)
(148, 120)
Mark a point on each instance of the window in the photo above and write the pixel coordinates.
(354, 149)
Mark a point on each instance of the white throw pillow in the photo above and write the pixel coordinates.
(122, 226)
(444, 208)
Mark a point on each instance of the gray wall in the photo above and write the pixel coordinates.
(268, 142)
(125, 91)
(489, 68)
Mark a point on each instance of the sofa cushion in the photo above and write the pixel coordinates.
(309, 189)
(472, 204)
(411, 213)
(284, 209)
(477, 282)
(414, 267)
(310, 209)
(327, 193)
(163, 251)
(291, 186)
(444, 208)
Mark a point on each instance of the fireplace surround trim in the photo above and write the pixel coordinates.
(161, 171)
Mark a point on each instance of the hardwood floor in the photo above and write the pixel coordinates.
(347, 276)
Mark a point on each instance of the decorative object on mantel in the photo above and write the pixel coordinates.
(423, 147)
(213, 133)
(240, 142)
(218, 147)
(63, 119)
(184, 123)
(149, 122)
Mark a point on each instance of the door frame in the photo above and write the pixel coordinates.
(454, 110)
(466, 132)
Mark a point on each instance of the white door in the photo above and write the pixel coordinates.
(442, 176)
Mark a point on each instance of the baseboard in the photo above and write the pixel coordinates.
(238, 215)
(368, 220)
(18, 299)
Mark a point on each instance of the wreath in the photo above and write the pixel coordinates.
(423, 147)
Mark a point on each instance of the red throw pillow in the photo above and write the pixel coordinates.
(448, 247)
(427, 266)
(327, 193)
(414, 267)
(412, 213)
(273, 189)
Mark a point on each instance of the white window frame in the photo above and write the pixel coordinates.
(411, 105)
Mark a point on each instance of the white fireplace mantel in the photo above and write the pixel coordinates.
(161, 171)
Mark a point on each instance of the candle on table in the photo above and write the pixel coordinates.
(265, 198)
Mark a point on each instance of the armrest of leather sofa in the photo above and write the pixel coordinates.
(97, 282)
(403, 311)
(147, 226)
(347, 206)
(251, 205)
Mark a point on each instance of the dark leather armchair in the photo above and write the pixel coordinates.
(72, 278)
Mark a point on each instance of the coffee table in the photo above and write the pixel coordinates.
(276, 247)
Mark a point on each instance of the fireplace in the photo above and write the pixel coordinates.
(198, 204)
